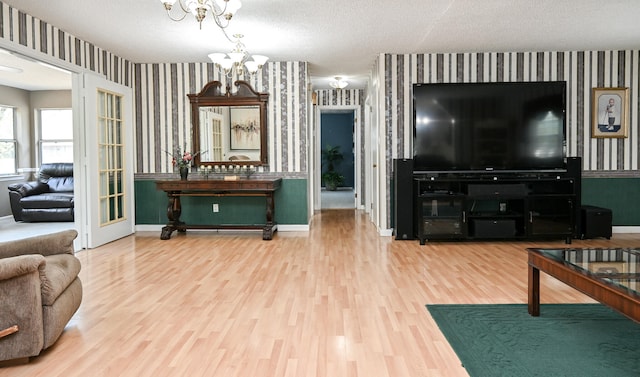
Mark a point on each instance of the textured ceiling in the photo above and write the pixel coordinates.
(344, 37)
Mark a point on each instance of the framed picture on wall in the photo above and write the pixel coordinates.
(610, 112)
(244, 127)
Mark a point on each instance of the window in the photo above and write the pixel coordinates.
(7, 140)
(56, 135)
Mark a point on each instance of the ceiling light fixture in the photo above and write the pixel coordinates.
(236, 59)
(338, 83)
(221, 10)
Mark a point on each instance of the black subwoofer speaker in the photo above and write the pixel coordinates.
(403, 199)
(595, 222)
(574, 171)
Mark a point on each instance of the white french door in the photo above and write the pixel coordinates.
(106, 169)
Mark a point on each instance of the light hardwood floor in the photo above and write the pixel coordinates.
(337, 301)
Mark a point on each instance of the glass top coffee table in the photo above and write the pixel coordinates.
(610, 276)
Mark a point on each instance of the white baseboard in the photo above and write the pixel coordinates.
(293, 227)
(625, 229)
(386, 232)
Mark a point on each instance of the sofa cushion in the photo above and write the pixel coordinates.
(60, 184)
(49, 200)
(58, 273)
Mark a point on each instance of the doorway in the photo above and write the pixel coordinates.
(337, 135)
(62, 76)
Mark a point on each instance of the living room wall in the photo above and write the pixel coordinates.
(161, 106)
(163, 123)
(603, 159)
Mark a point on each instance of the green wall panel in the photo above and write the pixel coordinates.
(290, 206)
(620, 195)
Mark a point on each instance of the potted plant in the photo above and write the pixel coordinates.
(332, 157)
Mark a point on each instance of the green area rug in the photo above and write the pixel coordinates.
(566, 340)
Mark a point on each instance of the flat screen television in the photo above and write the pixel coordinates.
(489, 127)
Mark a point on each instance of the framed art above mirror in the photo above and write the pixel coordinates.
(229, 128)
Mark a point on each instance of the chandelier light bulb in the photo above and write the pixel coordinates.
(338, 83)
(252, 66)
(226, 64)
(217, 57)
(237, 56)
(260, 59)
(238, 59)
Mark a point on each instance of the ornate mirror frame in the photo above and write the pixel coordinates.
(244, 100)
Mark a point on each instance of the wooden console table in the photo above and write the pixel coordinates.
(176, 189)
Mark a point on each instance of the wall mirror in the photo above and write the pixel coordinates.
(229, 128)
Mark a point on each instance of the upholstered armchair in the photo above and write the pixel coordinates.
(39, 292)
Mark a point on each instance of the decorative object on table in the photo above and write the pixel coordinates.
(183, 159)
(205, 170)
(331, 177)
(233, 172)
(184, 173)
(249, 170)
(610, 112)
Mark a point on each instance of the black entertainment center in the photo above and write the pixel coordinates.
(489, 162)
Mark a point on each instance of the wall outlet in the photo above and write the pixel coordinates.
(215, 207)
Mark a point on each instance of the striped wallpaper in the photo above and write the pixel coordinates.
(582, 70)
(19, 28)
(163, 111)
(161, 105)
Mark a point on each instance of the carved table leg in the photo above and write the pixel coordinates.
(267, 231)
(174, 210)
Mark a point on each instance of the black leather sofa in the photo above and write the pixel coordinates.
(50, 198)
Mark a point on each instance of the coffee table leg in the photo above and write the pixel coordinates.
(534, 291)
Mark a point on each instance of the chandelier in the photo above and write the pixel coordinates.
(238, 59)
(338, 83)
(221, 10)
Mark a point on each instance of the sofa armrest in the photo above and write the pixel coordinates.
(20, 265)
(48, 244)
(29, 188)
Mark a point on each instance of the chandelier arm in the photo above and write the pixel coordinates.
(184, 8)
(215, 5)
(176, 19)
(216, 19)
(224, 31)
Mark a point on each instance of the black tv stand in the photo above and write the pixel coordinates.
(506, 206)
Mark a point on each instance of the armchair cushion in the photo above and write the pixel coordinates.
(58, 273)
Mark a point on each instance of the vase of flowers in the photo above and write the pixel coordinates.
(184, 173)
(183, 159)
